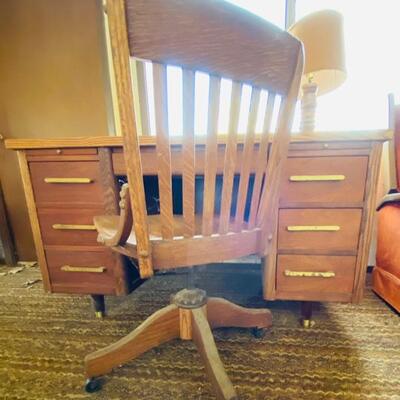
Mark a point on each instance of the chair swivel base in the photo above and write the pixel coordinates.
(191, 316)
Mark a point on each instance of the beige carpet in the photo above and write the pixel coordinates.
(353, 352)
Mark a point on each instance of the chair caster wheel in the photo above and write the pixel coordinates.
(258, 333)
(92, 385)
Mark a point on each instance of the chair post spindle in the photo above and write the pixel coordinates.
(163, 150)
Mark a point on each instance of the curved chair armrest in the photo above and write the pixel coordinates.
(125, 224)
(391, 198)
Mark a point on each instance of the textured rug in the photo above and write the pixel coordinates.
(353, 352)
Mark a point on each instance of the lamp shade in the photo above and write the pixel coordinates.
(322, 36)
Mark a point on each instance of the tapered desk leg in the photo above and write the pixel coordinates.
(306, 314)
(99, 305)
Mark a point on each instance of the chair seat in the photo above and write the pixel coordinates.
(107, 226)
(182, 251)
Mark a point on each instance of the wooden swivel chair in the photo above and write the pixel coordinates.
(224, 41)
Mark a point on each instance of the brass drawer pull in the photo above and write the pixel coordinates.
(313, 228)
(316, 178)
(69, 268)
(68, 180)
(74, 227)
(309, 274)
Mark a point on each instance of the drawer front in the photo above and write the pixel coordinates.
(324, 179)
(323, 230)
(315, 274)
(87, 272)
(68, 227)
(66, 182)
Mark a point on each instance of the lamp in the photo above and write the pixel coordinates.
(324, 70)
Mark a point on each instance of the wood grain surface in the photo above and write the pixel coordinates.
(214, 37)
(319, 137)
(121, 62)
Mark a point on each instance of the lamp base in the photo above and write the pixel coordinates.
(308, 107)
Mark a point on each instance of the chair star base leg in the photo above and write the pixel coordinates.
(189, 324)
(159, 328)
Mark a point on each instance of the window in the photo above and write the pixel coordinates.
(373, 64)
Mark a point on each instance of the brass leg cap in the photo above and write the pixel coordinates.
(307, 323)
(99, 314)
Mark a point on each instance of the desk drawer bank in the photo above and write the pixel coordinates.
(320, 252)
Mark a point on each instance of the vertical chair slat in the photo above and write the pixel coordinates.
(272, 172)
(163, 150)
(143, 97)
(262, 160)
(188, 178)
(211, 156)
(230, 158)
(246, 159)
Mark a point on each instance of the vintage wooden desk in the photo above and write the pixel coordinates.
(325, 221)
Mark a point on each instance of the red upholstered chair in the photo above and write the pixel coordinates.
(386, 274)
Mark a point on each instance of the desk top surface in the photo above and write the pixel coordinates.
(117, 141)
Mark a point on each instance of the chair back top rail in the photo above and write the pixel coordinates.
(212, 36)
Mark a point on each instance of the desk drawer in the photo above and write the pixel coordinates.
(87, 272)
(315, 275)
(324, 179)
(64, 182)
(319, 230)
(68, 227)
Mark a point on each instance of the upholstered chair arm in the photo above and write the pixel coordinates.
(391, 198)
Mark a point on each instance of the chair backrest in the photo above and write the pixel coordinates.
(223, 40)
